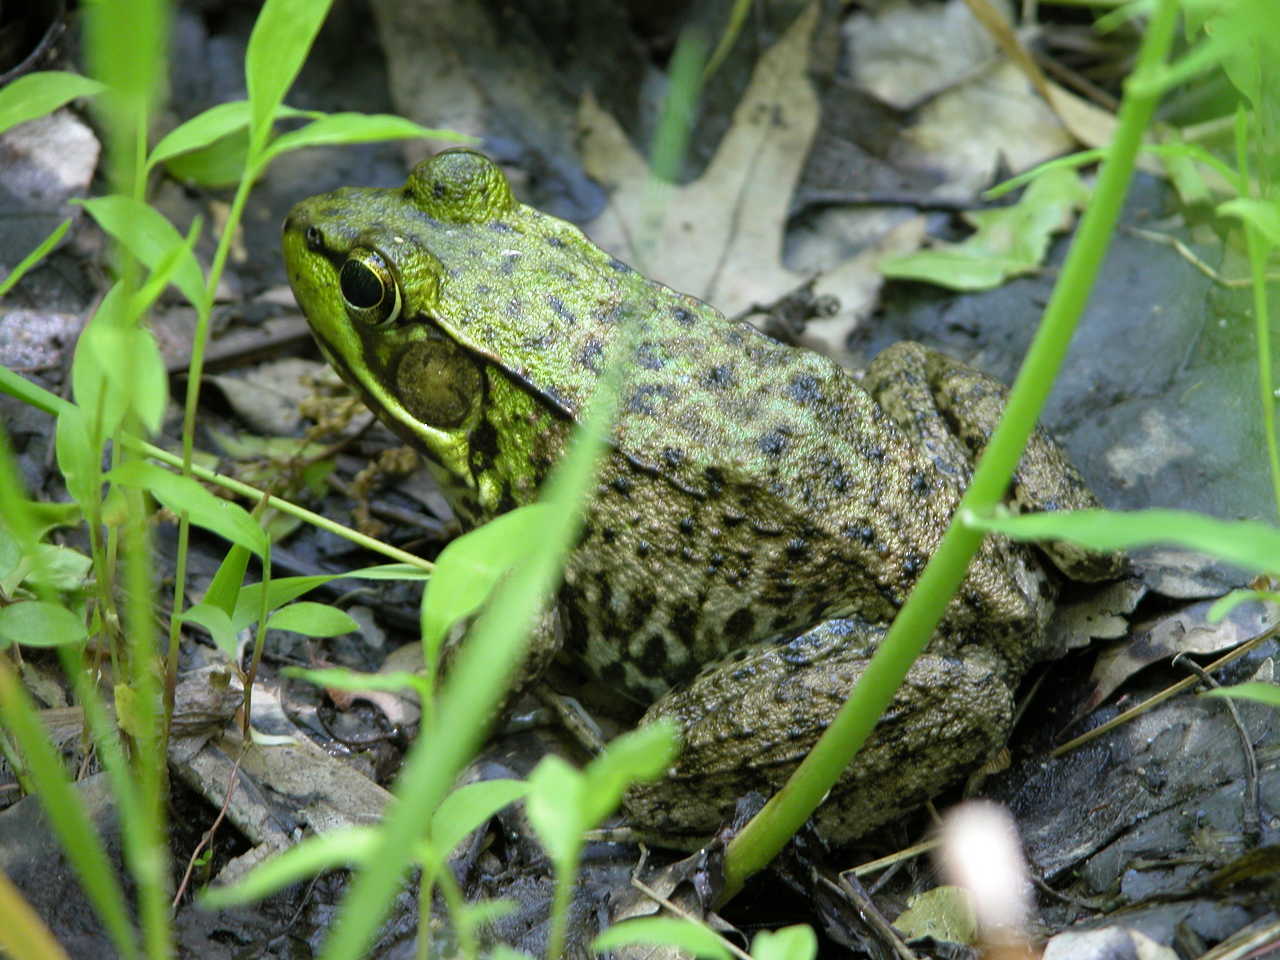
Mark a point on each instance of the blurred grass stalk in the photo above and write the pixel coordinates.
(764, 837)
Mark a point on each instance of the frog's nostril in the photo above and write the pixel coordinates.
(315, 238)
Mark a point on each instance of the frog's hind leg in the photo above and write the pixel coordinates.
(746, 725)
(952, 408)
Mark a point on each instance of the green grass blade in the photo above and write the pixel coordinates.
(1267, 693)
(343, 128)
(281, 37)
(1245, 543)
(470, 695)
(349, 846)
(23, 935)
(34, 257)
(39, 93)
(766, 834)
(66, 813)
(149, 236)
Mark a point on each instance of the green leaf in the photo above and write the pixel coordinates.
(685, 935)
(37, 94)
(484, 912)
(149, 236)
(470, 565)
(797, 942)
(1185, 176)
(78, 456)
(201, 130)
(283, 589)
(48, 515)
(1224, 605)
(1268, 693)
(341, 128)
(117, 368)
(210, 126)
(58, 568)
(25, 935)
(641, 754)
(162, 275)
(228, 520)
(1008, 241)
(1245, 543)
(279, 592)
(34, 257)
(347, 846)
(281, 37)
(215, 620)
(99, 354)
(312, 620)
(944, 912)
(955, 269)
(126, 46)
(468, 807)
(10, 553)
(30, 393)
(1262, 215)
(224, 590)
(340, 678)
(470, 694)
(34, 623)
(556, 807)
(220, 164)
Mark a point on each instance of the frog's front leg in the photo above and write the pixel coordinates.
(951, 409)
(746, 723)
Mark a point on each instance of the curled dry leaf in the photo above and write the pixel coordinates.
(1183, 631)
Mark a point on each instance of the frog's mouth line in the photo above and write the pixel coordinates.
(550, 398)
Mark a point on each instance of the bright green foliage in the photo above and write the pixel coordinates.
(1008, 242)
(464, 810)
(1245, 543)
(39, 624)
(692, 938)
(35, 256)
(563, 802)
(148, 235)
(789, 943)
(118, 371)
(312, 620)
(470, 567)
(120, 388)
(184, 495)
(1268, 693)
(38, 94)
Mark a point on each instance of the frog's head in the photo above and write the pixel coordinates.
(416, 293)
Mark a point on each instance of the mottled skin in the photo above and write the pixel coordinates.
(751, 490)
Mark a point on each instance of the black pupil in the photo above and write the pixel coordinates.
(360, 285)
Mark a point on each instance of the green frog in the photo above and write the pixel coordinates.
(759, 518)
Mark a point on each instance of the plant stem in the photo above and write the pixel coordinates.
(766, 834)
(195, 372)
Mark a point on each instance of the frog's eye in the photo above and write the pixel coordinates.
(371, 292)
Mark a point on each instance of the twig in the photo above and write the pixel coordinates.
(1251, 815)
(907, 853)
(675, 909)
(1078, 82)
(870, 913)
(1184, 684)
(232, 782)
(1189, 255)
